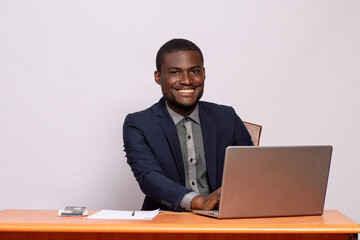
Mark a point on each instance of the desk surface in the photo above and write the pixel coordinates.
(332, 221)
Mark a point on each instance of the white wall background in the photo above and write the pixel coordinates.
(70, 71)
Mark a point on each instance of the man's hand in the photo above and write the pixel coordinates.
(206, 202)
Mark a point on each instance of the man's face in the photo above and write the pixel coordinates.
(181, 79)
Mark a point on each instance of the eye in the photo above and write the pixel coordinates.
(174, 72)
(195, 71)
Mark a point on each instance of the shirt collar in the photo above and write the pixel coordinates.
(178, 117)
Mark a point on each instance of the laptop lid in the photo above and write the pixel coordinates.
(274, 181)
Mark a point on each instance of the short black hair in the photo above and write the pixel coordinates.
(175, 45)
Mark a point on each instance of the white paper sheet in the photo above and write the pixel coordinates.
(111, 214)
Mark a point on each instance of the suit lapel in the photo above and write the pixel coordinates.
(208, 128)
(167, 124)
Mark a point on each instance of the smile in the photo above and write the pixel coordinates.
(186, 90)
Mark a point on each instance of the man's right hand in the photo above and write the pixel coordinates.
(206, 202)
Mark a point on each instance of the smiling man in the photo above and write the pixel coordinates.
(176, 147)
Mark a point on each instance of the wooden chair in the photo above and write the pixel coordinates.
(255, 131)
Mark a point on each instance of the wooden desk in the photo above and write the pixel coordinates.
(44, 224)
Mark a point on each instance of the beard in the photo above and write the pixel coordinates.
(183, 105)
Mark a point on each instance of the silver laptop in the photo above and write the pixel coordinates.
(273, 182)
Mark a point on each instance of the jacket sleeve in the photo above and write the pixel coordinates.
(147, 169)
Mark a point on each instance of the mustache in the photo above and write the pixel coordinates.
(190, 87)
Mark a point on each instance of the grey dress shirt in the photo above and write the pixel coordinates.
(193, 154)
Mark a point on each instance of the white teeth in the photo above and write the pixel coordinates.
(186, 90)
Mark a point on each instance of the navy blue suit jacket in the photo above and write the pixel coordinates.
(153, 150)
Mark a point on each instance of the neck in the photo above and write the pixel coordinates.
(185, 112)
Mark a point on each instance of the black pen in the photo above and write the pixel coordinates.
(133, 213)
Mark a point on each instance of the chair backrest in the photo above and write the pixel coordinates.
(255, 131)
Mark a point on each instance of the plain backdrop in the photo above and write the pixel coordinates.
(70, 71)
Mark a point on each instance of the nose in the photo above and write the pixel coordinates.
(186, 79)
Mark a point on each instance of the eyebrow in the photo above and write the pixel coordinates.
(177, 68)
(197, 66)
(174, 68)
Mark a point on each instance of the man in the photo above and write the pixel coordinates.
(176, 147)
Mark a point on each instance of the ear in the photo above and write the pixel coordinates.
(204, 75)
(157, 77)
